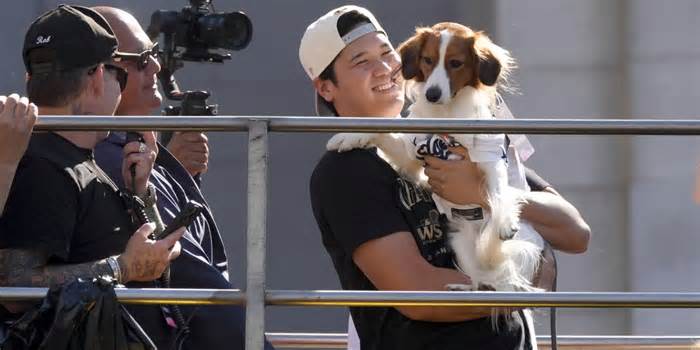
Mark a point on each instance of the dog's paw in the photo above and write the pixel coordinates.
(459, 287)
(347, 141)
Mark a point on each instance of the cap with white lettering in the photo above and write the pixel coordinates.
(66, 38)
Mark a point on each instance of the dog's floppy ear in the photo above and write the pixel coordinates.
(494, 62)
(489, 70)
(410, 55)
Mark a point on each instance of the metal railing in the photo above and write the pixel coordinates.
(340, 341)
(256, 297)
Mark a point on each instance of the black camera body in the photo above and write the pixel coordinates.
(196, 32)
(199, 34)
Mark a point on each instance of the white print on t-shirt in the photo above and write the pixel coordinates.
(429, 228)
(411, 195)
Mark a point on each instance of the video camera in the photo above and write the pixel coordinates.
(199, 34)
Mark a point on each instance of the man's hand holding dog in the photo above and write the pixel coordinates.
(458, 181)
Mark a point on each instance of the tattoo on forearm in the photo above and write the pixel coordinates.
(26, 268)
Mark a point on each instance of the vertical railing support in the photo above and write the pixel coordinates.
(256, 235)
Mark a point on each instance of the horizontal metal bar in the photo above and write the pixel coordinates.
(137, 123)
(373, 125)
(389, 298)
(339, 341)
(512, 126)
(308, 340)
(145, 296)
(627, 342)
(484, 299)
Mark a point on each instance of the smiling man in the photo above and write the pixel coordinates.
(371, 219)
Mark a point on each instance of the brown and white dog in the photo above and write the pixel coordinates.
(454, 72)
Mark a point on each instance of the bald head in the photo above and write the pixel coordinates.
(141, 95)
(131, 36)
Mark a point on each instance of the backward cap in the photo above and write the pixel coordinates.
(68, 37)
(321, 42)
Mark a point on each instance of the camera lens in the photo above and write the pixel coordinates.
(232, 31)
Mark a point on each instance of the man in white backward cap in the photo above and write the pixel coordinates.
(381, 231)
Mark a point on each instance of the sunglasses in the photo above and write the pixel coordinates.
(141, 59)
(120, 73)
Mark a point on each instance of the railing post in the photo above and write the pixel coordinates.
(256, 235)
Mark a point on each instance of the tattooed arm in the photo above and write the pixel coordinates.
(28, 268)
(143, 260)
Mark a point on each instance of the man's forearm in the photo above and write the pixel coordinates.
(437, 279)
(7, 174)
(26, 268)
(557, 221)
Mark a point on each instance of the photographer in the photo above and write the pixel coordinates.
(64, 217)
(17, 118)
(203, 263)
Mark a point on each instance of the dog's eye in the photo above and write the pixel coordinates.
(428, 60)
(456, 63)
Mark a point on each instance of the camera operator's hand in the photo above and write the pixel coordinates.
(17, 118)
(143, 155)
(145, 259)
(192, 150)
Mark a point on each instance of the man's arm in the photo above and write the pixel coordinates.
(143, 260)
(557, 221)
(28, 268)
(393, 262)
(17, 118)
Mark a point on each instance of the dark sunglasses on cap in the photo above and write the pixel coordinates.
(141, 59)
(119, 72)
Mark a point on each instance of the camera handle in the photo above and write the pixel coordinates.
(193, 103)
(140, 215)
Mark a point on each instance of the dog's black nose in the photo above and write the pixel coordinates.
(433, 94)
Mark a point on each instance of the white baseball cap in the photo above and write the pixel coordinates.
(322, 42)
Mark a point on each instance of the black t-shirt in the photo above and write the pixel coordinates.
(62, 203)
(357, 197)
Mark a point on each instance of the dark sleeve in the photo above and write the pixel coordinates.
(355, 199)
(41, 209)
(535, 182)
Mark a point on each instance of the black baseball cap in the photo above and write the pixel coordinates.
(66, 38)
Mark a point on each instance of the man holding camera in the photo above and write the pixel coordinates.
(203, 263)
(64, 218)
